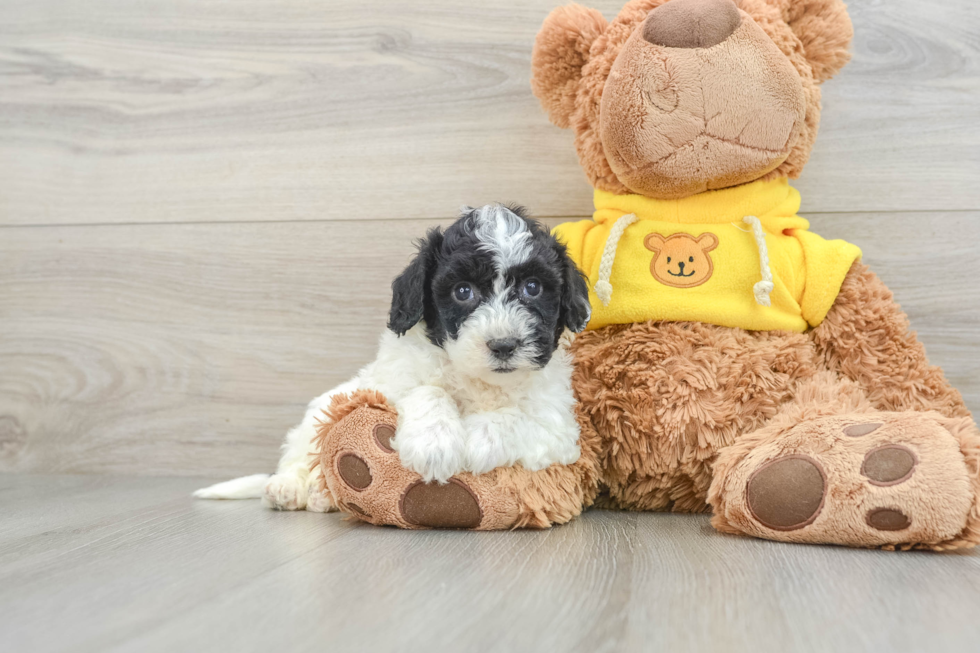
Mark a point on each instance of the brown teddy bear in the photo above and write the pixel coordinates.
(735, 361)
(777, 385)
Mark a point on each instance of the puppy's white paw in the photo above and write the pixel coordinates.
(285, 492)
(433, 448)
(485, 448)
(318, 500)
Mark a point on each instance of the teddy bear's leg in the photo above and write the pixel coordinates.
(866, 338)
(363, 476)
(830, 468)
(667, 396)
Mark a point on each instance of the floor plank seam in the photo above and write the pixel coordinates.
(163, 223)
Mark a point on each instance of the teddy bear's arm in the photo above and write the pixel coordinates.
(866, 338)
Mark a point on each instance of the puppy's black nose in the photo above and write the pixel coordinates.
(502, 348)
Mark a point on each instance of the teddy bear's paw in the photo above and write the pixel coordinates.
(365, 478)
(877, 479)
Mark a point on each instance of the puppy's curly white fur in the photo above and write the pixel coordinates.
(473, 360)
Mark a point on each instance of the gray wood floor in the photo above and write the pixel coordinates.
(133, 564)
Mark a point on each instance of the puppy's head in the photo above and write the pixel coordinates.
(495, 290)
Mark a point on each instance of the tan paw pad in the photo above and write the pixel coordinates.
(857, 430)
(890, 464)
(383, 434)
(787, 493)
(432, 505)
(354, 471)
(888, 519)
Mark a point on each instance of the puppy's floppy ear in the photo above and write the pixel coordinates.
(825, 30)
(574, 304)
(410, 292)
(561, 49)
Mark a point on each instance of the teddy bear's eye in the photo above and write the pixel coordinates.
(691, 259)
(668, 259)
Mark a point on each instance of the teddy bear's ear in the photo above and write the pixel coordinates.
(561, 49)
(707, 242)
(654, 242)
(825, 30)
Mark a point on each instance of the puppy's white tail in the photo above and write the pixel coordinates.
(246, 487)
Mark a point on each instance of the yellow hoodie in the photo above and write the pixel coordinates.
(737, 257)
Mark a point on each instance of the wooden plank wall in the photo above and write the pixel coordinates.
(202, 203)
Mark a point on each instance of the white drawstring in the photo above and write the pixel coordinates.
(763, 288)
(603, 289)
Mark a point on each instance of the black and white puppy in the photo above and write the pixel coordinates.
(473, 360)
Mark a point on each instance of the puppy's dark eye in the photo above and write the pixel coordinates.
(532, 288)
(691, 260)
(668, 259)
(462, 292)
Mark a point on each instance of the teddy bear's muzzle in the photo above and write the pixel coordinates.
(676, 121)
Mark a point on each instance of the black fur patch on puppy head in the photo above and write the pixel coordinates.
(411, 290)
(493, 276)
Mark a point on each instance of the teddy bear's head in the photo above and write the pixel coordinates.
(675, 97)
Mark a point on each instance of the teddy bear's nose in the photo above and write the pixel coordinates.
(691, 23)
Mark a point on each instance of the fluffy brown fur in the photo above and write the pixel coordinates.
(560, 51)
(667, 396)
(866, 338)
